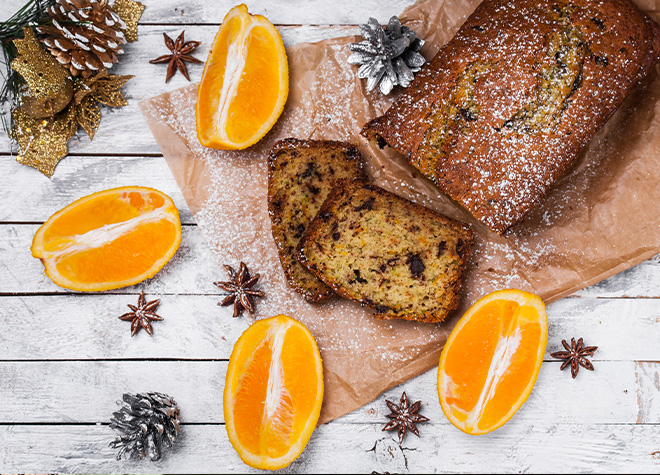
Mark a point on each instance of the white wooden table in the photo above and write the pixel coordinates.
(65, 358)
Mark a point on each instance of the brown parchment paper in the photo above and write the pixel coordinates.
(603, 217)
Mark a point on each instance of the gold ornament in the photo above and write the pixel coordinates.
(103, 88)
(130, 13)
(42, 142)
(50, 86)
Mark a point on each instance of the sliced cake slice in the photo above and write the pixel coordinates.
(392, 255)
(301, 174)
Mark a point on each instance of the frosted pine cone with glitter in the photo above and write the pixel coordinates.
(85, 36)
(388, 56)
(146, 424)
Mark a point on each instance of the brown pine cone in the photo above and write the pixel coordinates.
(85, 35)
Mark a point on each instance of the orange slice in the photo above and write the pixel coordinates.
(273, 392)
(491, 360)
(245, 82)
(109, 239)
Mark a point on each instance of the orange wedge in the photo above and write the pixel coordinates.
(491, 360)
(245, 82)
(109, 239)
(273, 392)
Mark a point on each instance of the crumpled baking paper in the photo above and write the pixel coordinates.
(601, 218)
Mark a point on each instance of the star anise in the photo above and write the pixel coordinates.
(404, 417)
(142, 315)
(576, 356)
(180, 54)
(240, 289)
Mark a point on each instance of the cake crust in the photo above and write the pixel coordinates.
(506, 106)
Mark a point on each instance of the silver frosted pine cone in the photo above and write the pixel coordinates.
(144, 424)
(388, 56)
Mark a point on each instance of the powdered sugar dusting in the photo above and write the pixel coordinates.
(570, 241)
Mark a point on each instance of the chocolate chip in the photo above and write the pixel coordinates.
(325, 215)
(467, 115)
(599, 23)
(382, 308)
(313, 190)
(380, 141)
(309, 170)
(416, 265)
(442, 247)
(300, 229)
(461, 248)
(358, 278)
(335, 236)
(368, 205)
(479, 28)
(601, 60)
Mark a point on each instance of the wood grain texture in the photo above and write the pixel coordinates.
(65, 358)
(352, 448)
(39, 197)
(85, 326)
(52, 392)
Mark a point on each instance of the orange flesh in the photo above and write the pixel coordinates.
(491, 361)
(254, 103)
(273, 392)
(244, 85)
(110, 239)
(100, 264)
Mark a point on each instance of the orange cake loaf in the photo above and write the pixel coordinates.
(506, 106)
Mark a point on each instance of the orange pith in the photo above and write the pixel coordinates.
(273, 392)
(245, 82)
(491, 360)
(110, 239)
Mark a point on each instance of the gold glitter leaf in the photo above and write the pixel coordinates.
(42, 142)
(130, 13)
(50, 86)
(107, 90)
(88, 115)
(103, 88)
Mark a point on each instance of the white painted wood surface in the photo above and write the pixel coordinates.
(65, 357)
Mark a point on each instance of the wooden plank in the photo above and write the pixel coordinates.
(351, 448)
(123, 130)
(639, 281)
(647, 375)
(32, 197)
(280, 12)
(192, 269)
(87, 327)
(52, 392)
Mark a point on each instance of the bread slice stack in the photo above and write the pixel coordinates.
(399, 258)
(301, 174)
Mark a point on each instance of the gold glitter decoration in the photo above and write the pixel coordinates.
(42, 142)
(130, 13)
(50, 86)
(103, 88)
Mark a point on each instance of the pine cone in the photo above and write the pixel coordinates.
(85, 35)
(389, 56)
(144, 423)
